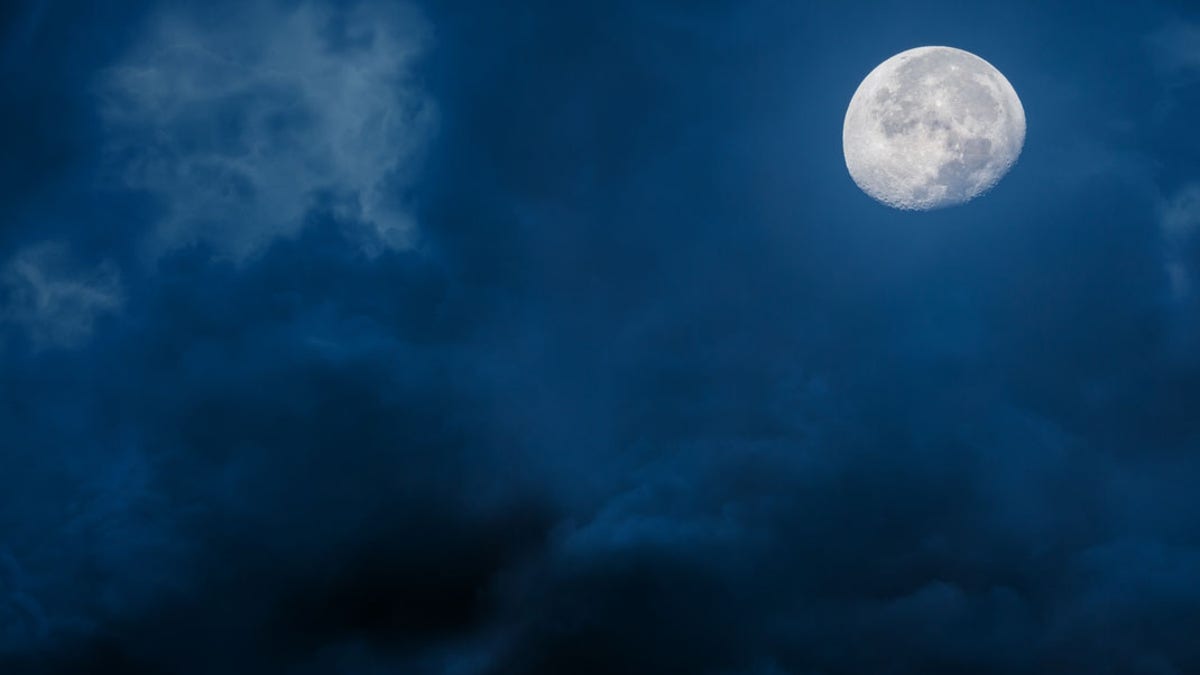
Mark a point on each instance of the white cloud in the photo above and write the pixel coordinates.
(243, 125)
(54, 301)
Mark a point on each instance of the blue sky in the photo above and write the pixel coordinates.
(543, 337)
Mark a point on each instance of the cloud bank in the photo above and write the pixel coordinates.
(659, 391)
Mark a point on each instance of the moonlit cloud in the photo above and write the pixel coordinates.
(244, 125)
(52, 300)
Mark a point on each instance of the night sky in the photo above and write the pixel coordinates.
(554, 338)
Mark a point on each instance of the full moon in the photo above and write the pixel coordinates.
(932, 127)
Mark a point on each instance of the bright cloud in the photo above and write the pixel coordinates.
(242, 126)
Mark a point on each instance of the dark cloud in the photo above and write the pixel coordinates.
(653, 389)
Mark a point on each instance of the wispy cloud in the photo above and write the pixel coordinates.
(1177, 50)
(1180, 223)
(54, 301)
(242, 126)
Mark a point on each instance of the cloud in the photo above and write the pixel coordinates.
(642, 404)
(1180, 222)
(1181, 218)
(243, 126)
(1177, 49)
(22, 619)
(55, 302)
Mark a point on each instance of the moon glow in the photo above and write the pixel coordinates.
(932, 127)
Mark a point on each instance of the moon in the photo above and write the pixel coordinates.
(932, 127)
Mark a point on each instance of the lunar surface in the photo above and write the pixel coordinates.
(932, 127)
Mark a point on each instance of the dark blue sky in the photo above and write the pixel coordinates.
(539, 338)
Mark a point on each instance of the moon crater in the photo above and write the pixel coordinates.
(932, 127)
